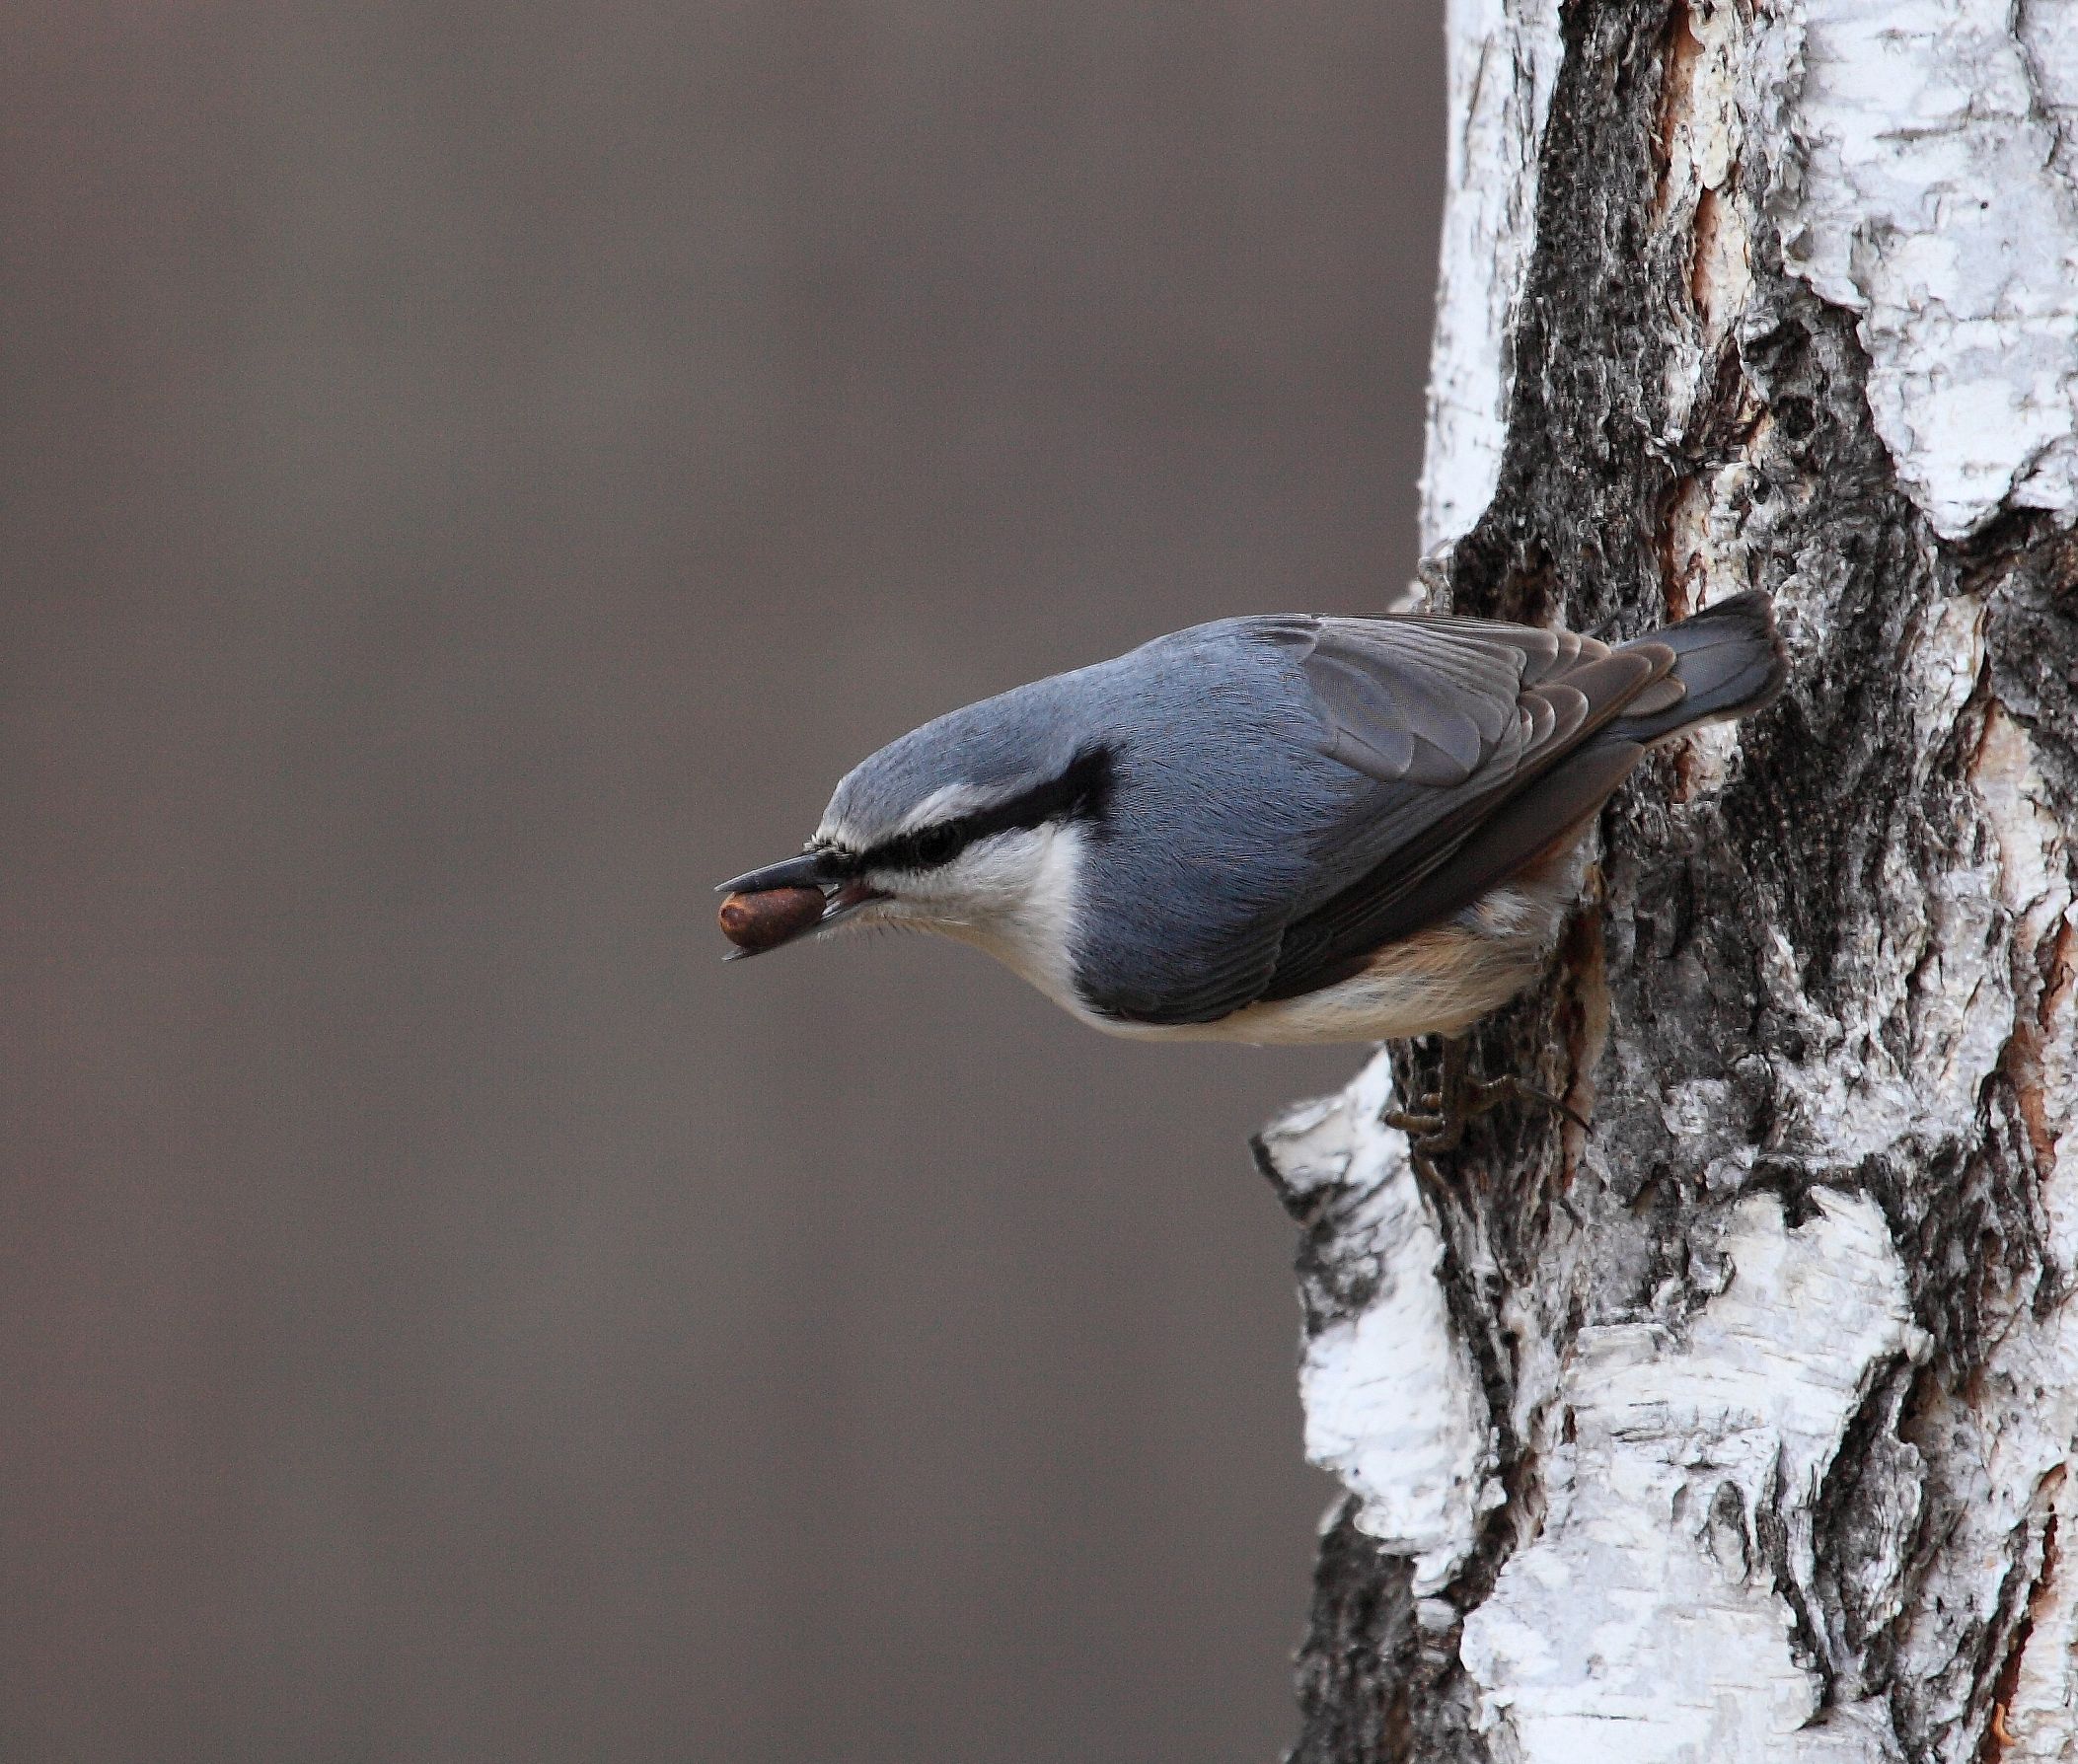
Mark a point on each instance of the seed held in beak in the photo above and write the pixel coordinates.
(769, 917)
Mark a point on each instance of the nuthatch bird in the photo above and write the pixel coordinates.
(1276, 828)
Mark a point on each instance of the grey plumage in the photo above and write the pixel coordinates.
(1260, 806)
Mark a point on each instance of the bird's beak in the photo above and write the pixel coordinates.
(843, 895)
(812, 869)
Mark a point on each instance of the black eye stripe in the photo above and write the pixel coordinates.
(1081, 794)
(926, 849)
(939, 843)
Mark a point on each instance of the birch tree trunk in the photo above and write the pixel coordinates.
(1743, 1426)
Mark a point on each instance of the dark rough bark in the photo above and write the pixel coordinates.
(1360, 1673)
(1734, 924)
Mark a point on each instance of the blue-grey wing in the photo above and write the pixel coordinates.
(1443, 830)
(1448, 748)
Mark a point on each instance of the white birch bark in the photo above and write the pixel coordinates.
(1743, 1426)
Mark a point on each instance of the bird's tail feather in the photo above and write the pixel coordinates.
(1730, 661)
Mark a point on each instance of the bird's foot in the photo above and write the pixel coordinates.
(1430, 1127)
(1493, 1092)
(1437, 1122)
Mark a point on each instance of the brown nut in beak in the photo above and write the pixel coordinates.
(770, 918)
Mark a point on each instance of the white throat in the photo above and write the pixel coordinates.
(1014, 897)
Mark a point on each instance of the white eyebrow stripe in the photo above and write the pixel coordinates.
(835, 835)
(946, 801)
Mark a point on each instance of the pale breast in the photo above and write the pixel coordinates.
(1437, 982)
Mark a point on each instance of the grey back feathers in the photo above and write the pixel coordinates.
(1265, 801)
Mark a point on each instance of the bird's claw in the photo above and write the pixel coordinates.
(1431, 1127)
(1438, 1121)
(1493, 1092)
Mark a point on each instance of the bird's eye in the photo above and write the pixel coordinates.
(938, 844)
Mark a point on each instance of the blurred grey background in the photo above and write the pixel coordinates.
(474, 476)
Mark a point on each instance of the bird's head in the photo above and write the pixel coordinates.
(972, 825)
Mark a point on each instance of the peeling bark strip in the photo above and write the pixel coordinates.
(1744, 1428)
